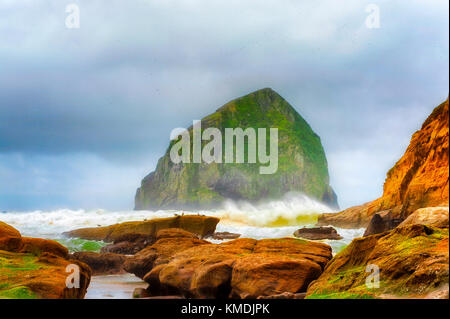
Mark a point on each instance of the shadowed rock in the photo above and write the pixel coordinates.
(318, 233)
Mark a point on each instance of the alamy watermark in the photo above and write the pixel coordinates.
(373, 279)
(73, 279)
(73, 18)
(373, 19)
(212, 152)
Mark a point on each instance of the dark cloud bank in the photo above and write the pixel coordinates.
(85, 113)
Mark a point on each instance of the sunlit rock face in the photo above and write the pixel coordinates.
(419, 179)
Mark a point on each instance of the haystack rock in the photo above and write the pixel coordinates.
(302, 165)
(419, 179)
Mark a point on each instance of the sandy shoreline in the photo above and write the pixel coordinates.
(114, 286)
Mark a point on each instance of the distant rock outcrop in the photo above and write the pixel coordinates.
(318, 233)
(302, 165)
(419, 179)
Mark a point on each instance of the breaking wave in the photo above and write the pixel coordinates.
(293, 209)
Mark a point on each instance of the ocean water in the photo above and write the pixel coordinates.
(271, 219)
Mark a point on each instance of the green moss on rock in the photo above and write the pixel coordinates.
(302, 165)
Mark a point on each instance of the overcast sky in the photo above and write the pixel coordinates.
(85, 113)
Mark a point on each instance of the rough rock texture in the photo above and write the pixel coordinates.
(159, 253)
(382, 222)
(318, 233)
(36, 268)
(285, 295)
(413, 261)
(224, 235)
(419, 179)
(129, 244)
(431, 216)
(197, 224)
(242, 268)
(10, 238)
(101, 263)
(302, 165)
(38, 246)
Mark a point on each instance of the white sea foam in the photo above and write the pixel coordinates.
(270, 219)
(292, 209)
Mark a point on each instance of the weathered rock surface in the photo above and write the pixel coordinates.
(242, 268)
(413, 261)
(10, 238)
(159, 253)
(129, 244)
(318, 233)
(224, 236)
(419, 179)
(37, 246)
(382, 222)
(101, 263)
(197, 224)
(285, 295)
(302, 165)
(36, 268)
(431, 216)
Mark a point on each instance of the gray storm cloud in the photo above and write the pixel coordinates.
(85, 113)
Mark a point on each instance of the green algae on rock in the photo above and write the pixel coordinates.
(302, 165)
(413, 262)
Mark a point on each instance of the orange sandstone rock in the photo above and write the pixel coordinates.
(242, 268)
(38, 270)
(197, 224)
(413, 261)
(10, 238)
(37, 246)
(419, 179)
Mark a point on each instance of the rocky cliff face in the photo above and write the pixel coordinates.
(302, 165)
(419, 179)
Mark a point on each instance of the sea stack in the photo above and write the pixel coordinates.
(302, 164)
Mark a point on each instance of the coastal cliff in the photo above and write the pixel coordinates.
(419, 179)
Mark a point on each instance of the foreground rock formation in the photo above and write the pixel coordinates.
(413, 261)
(242, 268)
(318, 233)
(36, 268)
(201, 225)
(419, 179)
(101, 263)
(302, 165)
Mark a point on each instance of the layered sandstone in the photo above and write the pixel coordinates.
(413, 262)
(201, 225)
(419, 179)
(242, 268)
(36, 268)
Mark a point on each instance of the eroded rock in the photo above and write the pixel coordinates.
(241, 268)
(318, 233)
(197, 224)
(101, 263)
(37, 268)
(413, 262)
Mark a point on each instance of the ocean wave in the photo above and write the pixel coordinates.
(292, 209)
